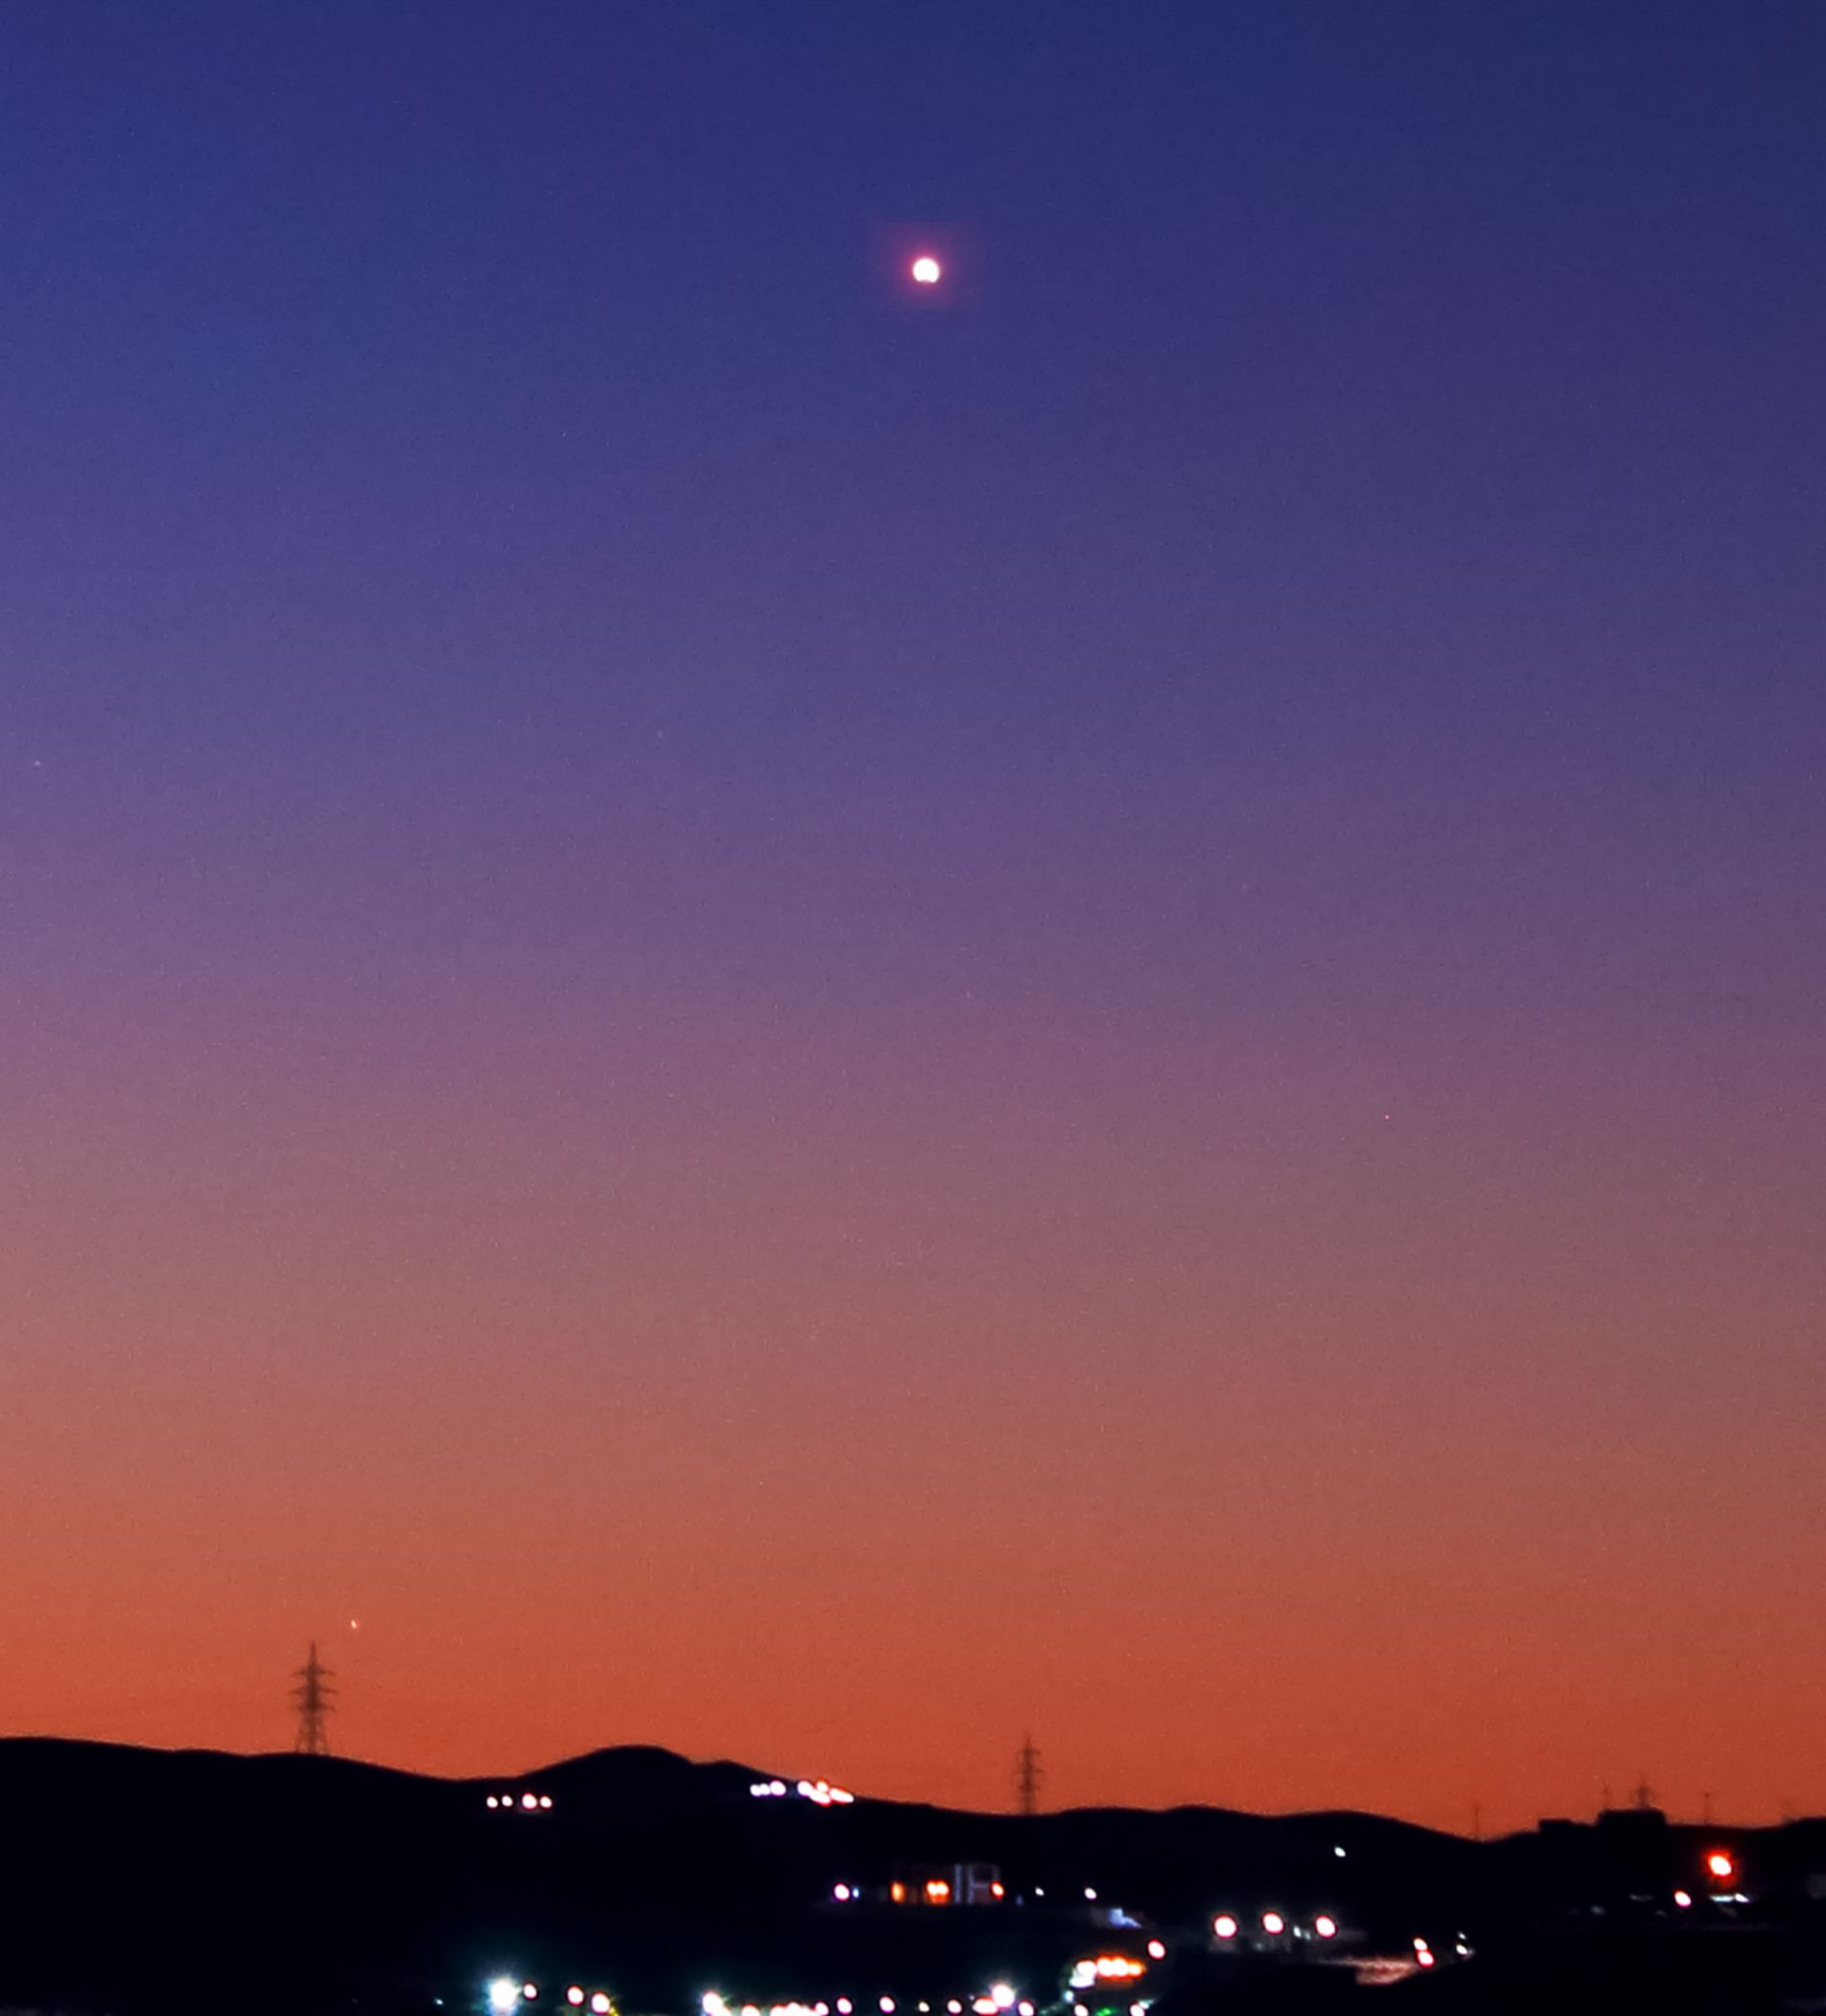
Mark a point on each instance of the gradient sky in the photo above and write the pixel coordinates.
(818, 1032)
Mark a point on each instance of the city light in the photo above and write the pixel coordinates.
(1157, 1949)
(1225, 1926)
(1720, 1865)
(574, 1995)
(503, 1995)
(1684, 1898)
(1272, 1924)
(820, 1791)
(598, 2005)
(518, 1802)
(1002, 1995)
(1325, 1926)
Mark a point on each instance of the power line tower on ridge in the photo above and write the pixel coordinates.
(1028, 1777)
(311, 1698)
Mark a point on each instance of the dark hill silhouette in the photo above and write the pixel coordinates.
(143, 1882)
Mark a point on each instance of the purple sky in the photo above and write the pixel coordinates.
(1193, 885)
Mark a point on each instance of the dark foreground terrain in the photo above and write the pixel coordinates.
(144, 1882)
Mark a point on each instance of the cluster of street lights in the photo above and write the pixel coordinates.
(523, 1802)
(505, 1994)
(1276, 1926)
(820, 1791)
(1001, 1999)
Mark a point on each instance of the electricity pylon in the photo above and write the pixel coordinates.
(311, 1698)
(1028, 1777)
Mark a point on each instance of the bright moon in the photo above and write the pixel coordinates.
(926, 270)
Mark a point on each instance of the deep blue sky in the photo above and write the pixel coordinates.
(1248, 795)
(1375, 428)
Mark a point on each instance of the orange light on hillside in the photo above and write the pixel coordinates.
(1720, 1865)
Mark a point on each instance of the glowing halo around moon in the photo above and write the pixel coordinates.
(926, 270)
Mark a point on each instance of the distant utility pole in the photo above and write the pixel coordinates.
(311, 1698)
(1645, 1796)
(1028, 1777)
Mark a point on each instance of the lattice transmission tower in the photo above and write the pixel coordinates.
(311, 1698)
(1028, 1777)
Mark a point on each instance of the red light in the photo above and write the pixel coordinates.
(1720, 1865)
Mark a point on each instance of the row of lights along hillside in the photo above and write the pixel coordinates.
(520, 1802)
(820, 1791)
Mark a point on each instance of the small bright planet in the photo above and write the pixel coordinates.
(927, 270)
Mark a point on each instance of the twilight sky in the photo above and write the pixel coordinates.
(817, 1031)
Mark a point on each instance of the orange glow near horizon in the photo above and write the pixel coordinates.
(818, 1449)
